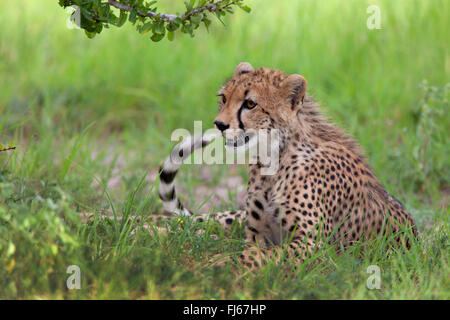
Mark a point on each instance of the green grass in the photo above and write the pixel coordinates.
(83, 113)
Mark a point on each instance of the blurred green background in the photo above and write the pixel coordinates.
(75, 107)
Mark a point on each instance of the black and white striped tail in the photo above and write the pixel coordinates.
(170, 168)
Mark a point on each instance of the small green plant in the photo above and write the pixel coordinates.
(94, 15)
(428, 142)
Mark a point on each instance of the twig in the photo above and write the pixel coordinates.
(10, 148)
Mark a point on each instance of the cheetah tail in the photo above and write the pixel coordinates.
(168, 171)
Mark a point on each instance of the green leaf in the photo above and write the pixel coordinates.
(196, 19)
(187, 28)
(189, 5)
(172, 26)
(133, 14)
(87, 15)
(90, 34)
(159, 28)
(122, 18)
(147, 26)
(207, 23)
(170, 35)
(245, 8)
(157, 37)
(229, 9)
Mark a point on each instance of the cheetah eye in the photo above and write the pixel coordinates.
(224, 99)
(249, 104)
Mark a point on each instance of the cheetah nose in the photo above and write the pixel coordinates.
(221, 126)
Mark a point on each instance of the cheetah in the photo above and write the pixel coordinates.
(323, 185)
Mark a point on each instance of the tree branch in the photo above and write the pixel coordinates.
(215, 6)
(95, 15)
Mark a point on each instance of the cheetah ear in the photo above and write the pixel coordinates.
(243, 67)
(294, 87)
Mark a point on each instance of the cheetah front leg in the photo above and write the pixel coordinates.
(259, 253)
(303, 243)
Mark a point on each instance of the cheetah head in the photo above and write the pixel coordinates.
(257, 99)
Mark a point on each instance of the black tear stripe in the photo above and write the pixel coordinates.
(241, 125)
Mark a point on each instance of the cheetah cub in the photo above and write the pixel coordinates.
(323, 186)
